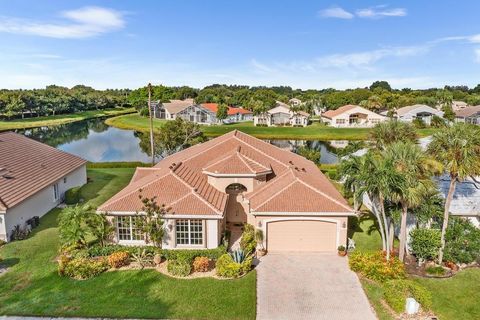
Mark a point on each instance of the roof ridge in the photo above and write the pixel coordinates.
(256, 162)
(260, 151)
(240, 156)
(274, 195)
(195, 193)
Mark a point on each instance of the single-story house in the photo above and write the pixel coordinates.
(33, 180)
(468, 115)
(228, 181)
(418, 111)
(234, 114)
(456, 105)
(282, 115)
(351, 116)
(186, 109)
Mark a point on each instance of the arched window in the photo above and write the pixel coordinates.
(237, 187)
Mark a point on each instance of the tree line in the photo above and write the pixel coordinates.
(379, 96)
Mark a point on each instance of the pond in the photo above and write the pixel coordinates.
(95, 141)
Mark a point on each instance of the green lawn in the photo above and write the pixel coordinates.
(315, 131)
(61, 119)
(453, 298)
(32, 286)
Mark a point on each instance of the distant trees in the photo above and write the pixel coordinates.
(222, 111)
(381, 84)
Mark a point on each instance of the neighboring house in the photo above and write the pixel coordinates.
(228, 181)
(186, 109)
(234, 114)
(33, 179)
(351, 116)
(418, 111)
(468, 115)
(295, 102)
(282, 115)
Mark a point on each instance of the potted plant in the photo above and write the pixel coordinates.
(259, 238)
(342, 251)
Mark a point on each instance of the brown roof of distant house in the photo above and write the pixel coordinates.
(333, 113)
(27, 166)
(178, 181)
(467, 112)
(175, 106)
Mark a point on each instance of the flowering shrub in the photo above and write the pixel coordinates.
(118, 259)
(201, 264)
(179, 268)
(397, 291)
(82, 268)
(374, 266)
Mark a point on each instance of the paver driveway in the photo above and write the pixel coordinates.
(309, 286)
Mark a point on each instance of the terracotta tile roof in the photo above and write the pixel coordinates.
(27, 166)
(179, 181)
(333, 113)
(231, 110)
(467, 112)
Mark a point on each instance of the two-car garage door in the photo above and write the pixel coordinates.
(301, 235)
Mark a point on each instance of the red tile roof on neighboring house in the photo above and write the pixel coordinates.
(180, 181)
(27, 166)
(231, 110)
(333, 113)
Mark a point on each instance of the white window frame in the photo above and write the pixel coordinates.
(131, 240)
(189, 233)
(56, 192)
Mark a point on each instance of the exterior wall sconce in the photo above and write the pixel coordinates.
(259, 224)
(170, 227)
(344, 225)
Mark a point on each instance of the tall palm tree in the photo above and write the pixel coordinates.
(374, 176)
(458, 149)
(392, 131)
(417, 170)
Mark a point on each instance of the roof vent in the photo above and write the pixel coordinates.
(291, 162)
(303, 169)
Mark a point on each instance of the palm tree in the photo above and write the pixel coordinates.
(457, 148)
(389, 132)
(417, 170)
(376, 177)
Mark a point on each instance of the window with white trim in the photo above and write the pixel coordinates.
(127, 229)
(189, 232)
(340, 121)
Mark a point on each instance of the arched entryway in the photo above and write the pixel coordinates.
(235, 211)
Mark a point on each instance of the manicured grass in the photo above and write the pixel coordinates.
(61, 119)
(315, 131)
(365, 233)
(32, 286)
(374, 292)
(456, 297)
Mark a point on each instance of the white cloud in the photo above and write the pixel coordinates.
(336, 12)
(379, 12)
(477, 55)
(475, 38)
(260, 66)
(80, 23)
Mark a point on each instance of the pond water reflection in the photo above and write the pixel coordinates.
(95, 141)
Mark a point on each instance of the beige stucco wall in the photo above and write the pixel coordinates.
(43, 201)
(261, 222)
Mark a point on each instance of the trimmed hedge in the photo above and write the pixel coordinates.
(397, 291)
(169, 254)
(228, 268)
(72, 195)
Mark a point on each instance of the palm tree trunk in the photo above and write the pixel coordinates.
(385, 226)
(403, 233)
(446, 214)
(391, 235)
(376, 205)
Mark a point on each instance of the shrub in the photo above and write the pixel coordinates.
(418, 123)
(179, 268)
(2, 242)
(397, 291)
(248, 242)
(19, 233)
(438, 270)
(189, 255)
(201, 264)
(72, 195)
(144, 112)
(118, 259)
(228, 268)
(82, 268)
(374, 266)
(462, 241)
(425, 243)
(63, 260)
(98, 251)
(341, 248)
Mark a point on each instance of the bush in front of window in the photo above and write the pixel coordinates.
(118, 259)
(72, 195)
(190, 255)
(201, 264)
(83, 268)
(228, 268)
(179, 268)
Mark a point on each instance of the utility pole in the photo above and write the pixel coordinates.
(151, 121)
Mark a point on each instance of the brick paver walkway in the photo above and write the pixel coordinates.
(309, 286)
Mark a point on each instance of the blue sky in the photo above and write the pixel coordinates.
(303, 44)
